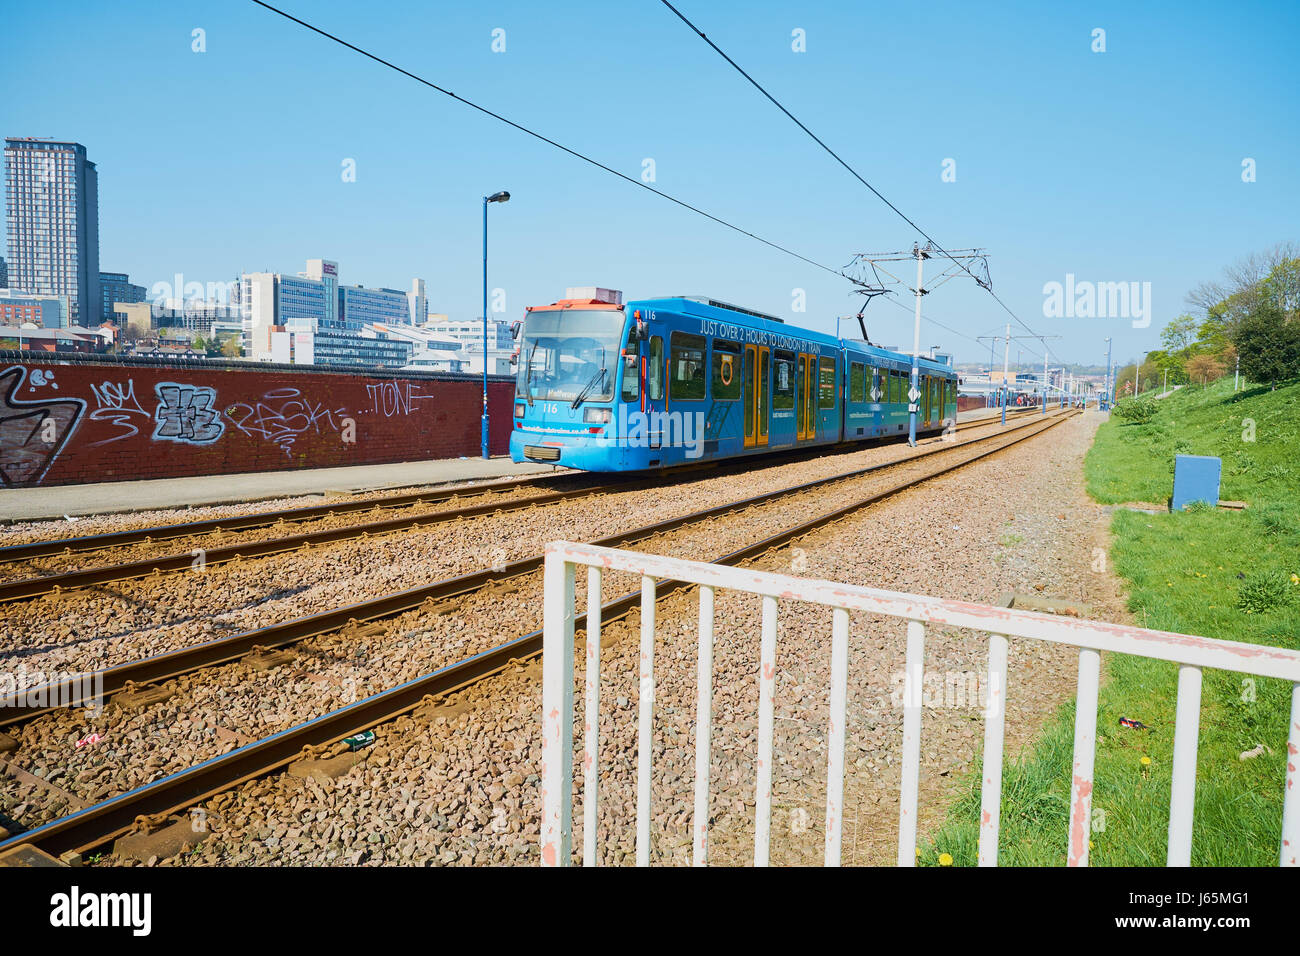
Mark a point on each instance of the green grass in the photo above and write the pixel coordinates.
(1204, 571)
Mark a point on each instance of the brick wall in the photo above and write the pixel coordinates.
(64, 422)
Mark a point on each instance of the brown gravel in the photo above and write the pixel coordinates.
(463, 787)
(126, 620)
(217, 710)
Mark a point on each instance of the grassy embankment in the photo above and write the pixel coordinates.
(1218, 573)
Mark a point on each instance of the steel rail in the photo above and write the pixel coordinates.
(96, 825)
(82, 544)
(113, 539)
(26, 705)
(24, 589)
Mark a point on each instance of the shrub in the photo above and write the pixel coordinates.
(1135, 411)
(1264, 591)
(1272, 519)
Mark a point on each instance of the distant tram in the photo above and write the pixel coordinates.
(675, 381)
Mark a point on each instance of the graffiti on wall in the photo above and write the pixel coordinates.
(32, 433)
(116, 405)
(187, 413)
(282, 415)
(394, 398)
(65, 424)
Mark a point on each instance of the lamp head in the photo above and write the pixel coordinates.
(502, 196)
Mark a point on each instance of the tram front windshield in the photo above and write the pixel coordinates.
(569, 355)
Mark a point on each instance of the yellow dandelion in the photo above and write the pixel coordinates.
(945, 859)
(1146, 761)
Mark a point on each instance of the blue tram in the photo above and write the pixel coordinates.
(660, 383)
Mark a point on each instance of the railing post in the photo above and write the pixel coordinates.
(557, 712)
(591, 716)
(835, 737)
(766, 693)
(909, 787)
(1085, 752)
(1290, 854)
(995, 715)
(703, 726)
(645, 730)
(1182, 796)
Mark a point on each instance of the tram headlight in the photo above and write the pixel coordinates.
(519, 409)
(596, 416)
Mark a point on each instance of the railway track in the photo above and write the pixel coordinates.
(217, 554)
(96, 825)
(172, 664)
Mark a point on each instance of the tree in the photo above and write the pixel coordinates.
(1234, 297)
(1203, 368)
(1179, 334)
(1268, 344)
(1166, 362)
(231, 347)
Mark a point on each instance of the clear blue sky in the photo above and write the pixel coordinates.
(1115, 166)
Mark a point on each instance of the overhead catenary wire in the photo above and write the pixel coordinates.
(856, 175)
(587, 159)
(545, 139)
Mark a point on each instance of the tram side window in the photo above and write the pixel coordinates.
(783, 379)
(726, 370)
(826, 384)
(631, 377)
(654, 376)
(686, 378)
(857, 382)
(895, 392)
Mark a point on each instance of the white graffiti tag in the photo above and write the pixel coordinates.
(186, 414)
(282, 415)
(115, 404)
(392, 398)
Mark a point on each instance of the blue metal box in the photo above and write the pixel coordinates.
(1196, 478)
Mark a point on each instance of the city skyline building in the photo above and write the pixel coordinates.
(418, 298)
(52, 221)
(43, 311)
(115, 287)
(309, 318)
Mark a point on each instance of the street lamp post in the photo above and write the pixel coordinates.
(1110, 397)
(1006, 358)
(913, 393)
(495, 197)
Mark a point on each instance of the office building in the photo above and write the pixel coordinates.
(416, 298)
(323, 321)
(359, 306)
(42, 311)
(117, 287)
(52, 216)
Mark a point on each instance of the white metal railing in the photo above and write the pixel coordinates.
(1090, 637)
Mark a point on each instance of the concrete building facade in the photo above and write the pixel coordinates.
(117, 287)
(52, 217)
